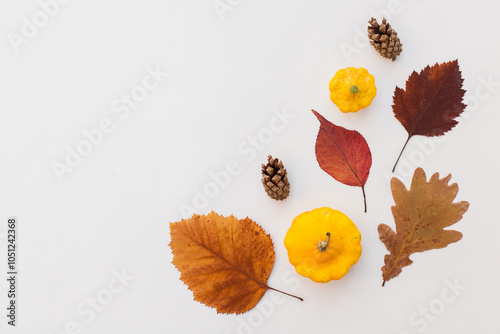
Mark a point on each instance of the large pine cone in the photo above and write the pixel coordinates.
(275, 179)
(384, 39)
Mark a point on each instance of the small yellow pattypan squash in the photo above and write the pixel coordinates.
(323, 244)
(352, 89)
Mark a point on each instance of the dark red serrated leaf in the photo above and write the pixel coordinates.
(343, 154)
(431, 101)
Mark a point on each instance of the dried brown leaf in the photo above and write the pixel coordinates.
(225, 261)
(421, 214)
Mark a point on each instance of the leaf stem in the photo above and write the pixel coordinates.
(364, 196)
(407, 140)
(288, 294)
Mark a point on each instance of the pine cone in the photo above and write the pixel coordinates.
(275, 179)
(384, 39)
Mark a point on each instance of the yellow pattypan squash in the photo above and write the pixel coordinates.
(323, 244)
(352, 89)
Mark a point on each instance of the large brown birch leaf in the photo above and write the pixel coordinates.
(343, 154)
(430, 102)
(420, 214)
(225, 261)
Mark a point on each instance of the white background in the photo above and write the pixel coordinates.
(228, 73)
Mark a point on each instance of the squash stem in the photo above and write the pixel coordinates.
(323, 245)
(354, 89)
(285, 293)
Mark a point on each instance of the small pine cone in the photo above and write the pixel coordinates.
(384, 39)
(275, 179)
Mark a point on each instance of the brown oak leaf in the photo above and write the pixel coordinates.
(431, 101)
(343, 154)
(225, 261)
(420, 214)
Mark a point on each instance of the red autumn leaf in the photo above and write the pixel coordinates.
(431, 101)
(344, 154)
